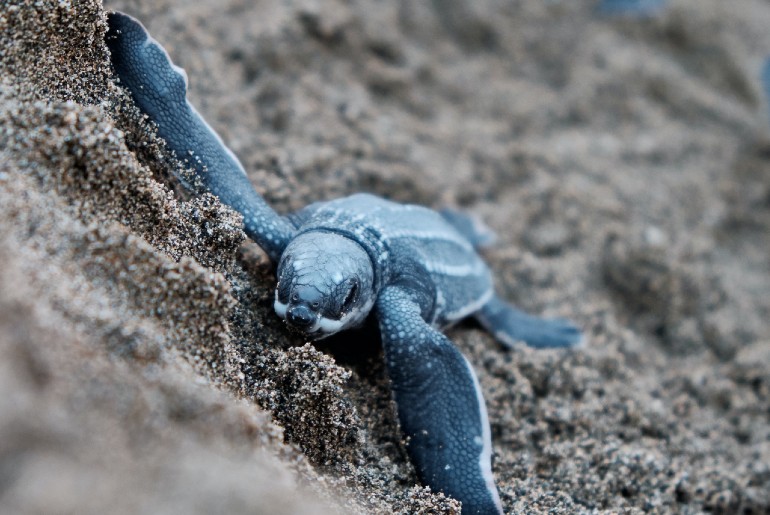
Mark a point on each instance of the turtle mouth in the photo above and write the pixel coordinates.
(314, 333)
(316, 330)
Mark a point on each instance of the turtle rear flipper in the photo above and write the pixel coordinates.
(159, 89)
(511, 327)
(471, 227)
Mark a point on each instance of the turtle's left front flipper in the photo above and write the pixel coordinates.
(440, 405)
(159, 89)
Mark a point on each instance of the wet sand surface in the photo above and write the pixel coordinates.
(624, 164)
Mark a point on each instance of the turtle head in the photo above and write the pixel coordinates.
(325, 284)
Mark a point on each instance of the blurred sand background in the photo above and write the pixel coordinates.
(624, 163)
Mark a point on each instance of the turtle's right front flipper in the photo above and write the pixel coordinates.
(159, 89)
(440, 405)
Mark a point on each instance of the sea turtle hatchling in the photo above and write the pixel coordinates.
(416, 269)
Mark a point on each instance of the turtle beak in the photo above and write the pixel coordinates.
(300, 316)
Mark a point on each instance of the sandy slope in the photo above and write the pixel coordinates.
(623, 163)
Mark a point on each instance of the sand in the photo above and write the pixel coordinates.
(624, 164)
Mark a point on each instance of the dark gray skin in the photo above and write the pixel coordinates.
(417, 270)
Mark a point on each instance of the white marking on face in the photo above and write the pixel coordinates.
(280, 307)
(323, 327)
(328, 325)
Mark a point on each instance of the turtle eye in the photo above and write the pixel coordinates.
(350, 297)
